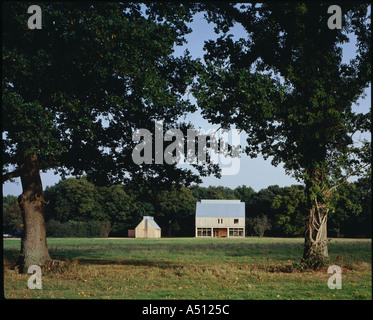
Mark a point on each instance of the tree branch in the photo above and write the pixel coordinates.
(11, 175)
(350, 175)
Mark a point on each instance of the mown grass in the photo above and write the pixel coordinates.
(191, 268)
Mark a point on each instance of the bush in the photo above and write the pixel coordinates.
(80, 229)
(57, 229)
(99, 229)
(315, 262)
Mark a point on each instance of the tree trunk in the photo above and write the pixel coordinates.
(170, 228)
(316, 241)
(34, 249)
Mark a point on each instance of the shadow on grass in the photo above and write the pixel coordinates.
(11, 255)
(132, 262)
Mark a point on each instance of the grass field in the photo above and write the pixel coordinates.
(191, 268)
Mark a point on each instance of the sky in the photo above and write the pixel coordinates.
(256, 173)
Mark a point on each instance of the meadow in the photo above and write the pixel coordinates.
(191, 268)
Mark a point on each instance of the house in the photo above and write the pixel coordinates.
(220, 218)
(147, 228)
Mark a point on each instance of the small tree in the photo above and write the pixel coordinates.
(261, 224)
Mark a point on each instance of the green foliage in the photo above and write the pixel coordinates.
(79, 229)
(12, 218)
(74, 90)
(244, 193)
(57, 229)
(314, 262)
(80, 201)
(286, 85)
(73, 199)
(176, 210)
(352, 214)
(116, 204)
(260, 224)
(290, 209)
(212, 192)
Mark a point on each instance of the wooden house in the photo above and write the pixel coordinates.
(220, 218)
(147, 228)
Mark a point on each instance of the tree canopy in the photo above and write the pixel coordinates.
(286, 85)
(75, 91)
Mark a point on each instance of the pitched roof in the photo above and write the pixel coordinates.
(220, 209)
(149, 219)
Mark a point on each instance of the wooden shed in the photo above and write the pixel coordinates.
(147, 228)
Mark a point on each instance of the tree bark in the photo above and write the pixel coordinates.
(34, 249)
(316, 241)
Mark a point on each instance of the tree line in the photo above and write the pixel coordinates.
(79, 208)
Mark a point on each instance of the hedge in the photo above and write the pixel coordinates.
(56, 229)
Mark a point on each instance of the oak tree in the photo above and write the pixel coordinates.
(76, 89)
(286, 85)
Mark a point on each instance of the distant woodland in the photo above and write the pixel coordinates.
(78, 208)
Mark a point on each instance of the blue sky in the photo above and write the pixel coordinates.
(257, 172)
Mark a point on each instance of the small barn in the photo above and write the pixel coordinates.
(220, 218)
(147, 228)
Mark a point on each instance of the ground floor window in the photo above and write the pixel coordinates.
(236, 232)
(204, 232)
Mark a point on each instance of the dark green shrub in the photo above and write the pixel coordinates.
(80, 229)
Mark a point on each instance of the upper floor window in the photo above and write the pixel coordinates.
(235, 221)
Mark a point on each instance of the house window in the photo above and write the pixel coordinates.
(203, 232)
(236, 232)
(235, 221)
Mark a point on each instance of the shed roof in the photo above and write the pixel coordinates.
(149, 219)
(220, 209)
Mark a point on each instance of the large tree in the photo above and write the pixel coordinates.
(75, 90)
(286, 85)
(177, 207)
